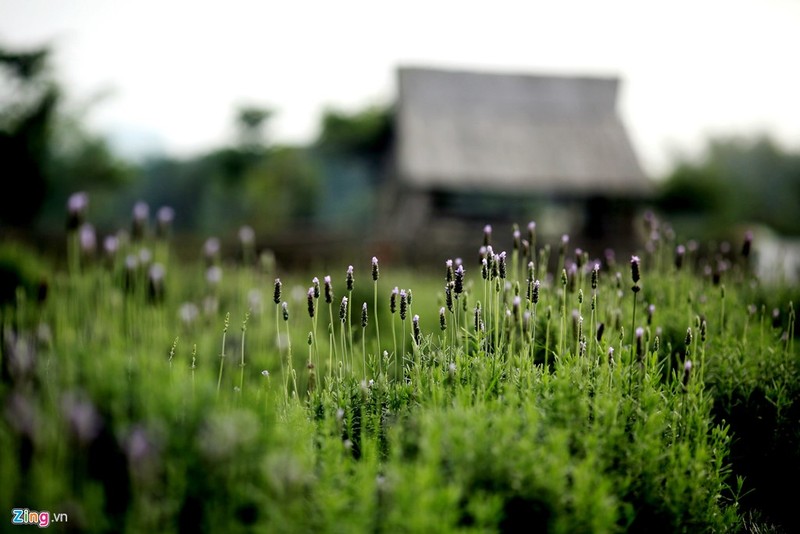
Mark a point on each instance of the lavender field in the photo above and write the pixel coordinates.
(526, 387)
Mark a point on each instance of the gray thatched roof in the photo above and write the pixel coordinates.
(513, 133)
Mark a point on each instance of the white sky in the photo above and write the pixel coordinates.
(176, 69)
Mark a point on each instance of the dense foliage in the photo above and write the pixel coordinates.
(562, 395)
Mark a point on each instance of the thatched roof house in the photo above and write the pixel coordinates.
(466, 136)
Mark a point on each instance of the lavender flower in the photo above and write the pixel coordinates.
(517, 239)
(156, 276)
(635, 269)
(145, 256)
(535, 296)
(415, 324)
(374, 269)
(448, 296)
(579, 257)
(610, 256)
(640, 343)
(487, 235)
(343, 310)
(448, 272)
(502, 265)
(141, 213)
(364, 316)
(276, 294)
(403, 304)
(328, 290)
(111, 245)
(84, 421)
(350, 279)
(164, 217)
(211, 249)
(131, 263)
(393, 300)
(77, 206)
(315, 286)
(87, 239)
(442, 319)
(214, 275)
(310, 300)
(532, 232)
(687, 371)
(247, 236)
(458, 286)
(285, 310)
(188, 312)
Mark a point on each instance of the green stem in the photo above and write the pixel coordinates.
(377, 322)
(278, 337)
(364, 350)
(289, 363)
(332, 331)
(394, 341)
(222, 351)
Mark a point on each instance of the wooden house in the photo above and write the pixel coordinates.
(473, 148)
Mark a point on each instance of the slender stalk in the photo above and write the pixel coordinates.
(364, 321)
(377, 322)
(331, 331)
(222, 351)
(563, 322)
(344, 353)
(533, 335)
(364, 350)
(349, 324)
(635, 276)
(394, 337)
(375, 274)
(633, 320)
(278, 337)
(289, 363)
(241, 375)
(194, 366)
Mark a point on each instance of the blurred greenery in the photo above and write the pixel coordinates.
(48, 152)
(328, 184)
(737, 181)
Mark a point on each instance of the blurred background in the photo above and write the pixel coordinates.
(401, 129)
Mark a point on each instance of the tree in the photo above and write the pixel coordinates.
(738, 180)
(27, 111)
(47, 150)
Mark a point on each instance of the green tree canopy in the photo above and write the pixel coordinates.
(738, 180)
